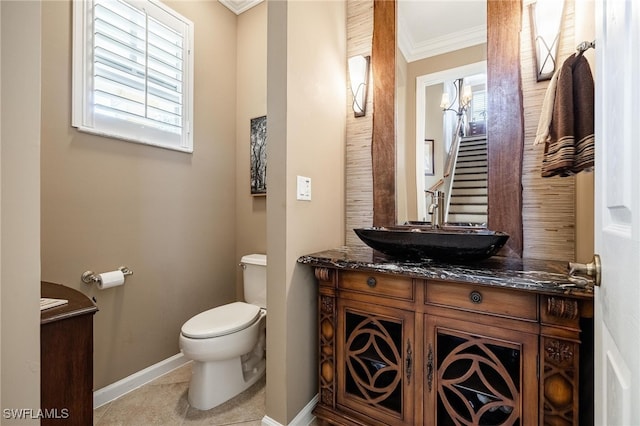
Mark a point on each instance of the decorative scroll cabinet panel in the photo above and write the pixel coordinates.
(479, 375)
(376, 344)
(397, 350)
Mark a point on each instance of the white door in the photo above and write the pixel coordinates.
(617, 213)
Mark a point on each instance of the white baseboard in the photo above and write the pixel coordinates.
(134, 381)
(304, 417)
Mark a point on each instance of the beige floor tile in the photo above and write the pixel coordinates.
(99, 412)
(164, 404)
(248, 407)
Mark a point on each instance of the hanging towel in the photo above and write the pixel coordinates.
(542, 134)
(570, 145)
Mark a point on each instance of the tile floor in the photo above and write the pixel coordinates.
(164, 402)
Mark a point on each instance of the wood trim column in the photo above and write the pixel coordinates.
(383, 145)
(505, 124)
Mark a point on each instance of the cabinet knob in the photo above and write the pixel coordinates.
(475, 297)
(371, 282)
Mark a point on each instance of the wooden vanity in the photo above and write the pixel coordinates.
(499, 342)
(66, 357)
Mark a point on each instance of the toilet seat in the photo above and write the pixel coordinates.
(220, 321)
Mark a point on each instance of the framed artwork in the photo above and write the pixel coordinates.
(258, 155)
(428, 157)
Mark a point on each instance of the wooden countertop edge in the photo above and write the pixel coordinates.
(79, 303)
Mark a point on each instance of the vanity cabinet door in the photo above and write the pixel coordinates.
(375, 368)
(478, 374)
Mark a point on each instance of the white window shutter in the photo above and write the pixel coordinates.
(135, 58)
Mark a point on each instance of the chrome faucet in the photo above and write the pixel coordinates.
(436, 208)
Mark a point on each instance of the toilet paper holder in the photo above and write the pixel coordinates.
(89, 277)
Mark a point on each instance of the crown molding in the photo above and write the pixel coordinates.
(239, 6)
(442, 44)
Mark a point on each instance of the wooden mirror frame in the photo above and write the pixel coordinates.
(505, 123)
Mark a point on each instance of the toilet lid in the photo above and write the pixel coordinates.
(225, 319)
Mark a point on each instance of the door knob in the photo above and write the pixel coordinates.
(592, 269)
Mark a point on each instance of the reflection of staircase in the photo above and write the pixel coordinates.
(468, 203)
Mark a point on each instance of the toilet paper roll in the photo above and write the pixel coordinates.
(110, 279)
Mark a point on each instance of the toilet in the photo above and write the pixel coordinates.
(227, 343)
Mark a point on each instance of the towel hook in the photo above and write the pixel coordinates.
(585, 45)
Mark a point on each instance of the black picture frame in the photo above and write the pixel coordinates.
(258, 155)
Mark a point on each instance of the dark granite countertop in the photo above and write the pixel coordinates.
(540, 276)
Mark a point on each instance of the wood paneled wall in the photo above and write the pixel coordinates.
(358, 174)
(548, 211)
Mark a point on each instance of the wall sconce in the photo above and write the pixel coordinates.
(463, 96)
(546, 17)
(359, 76)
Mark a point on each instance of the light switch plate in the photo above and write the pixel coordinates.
(303, 188)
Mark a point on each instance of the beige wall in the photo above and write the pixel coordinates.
(169, 216)
(306, 82)
(20, 207)
(251, 213)
(403, 200)
(1, 239)
(434, 129)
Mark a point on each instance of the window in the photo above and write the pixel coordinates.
(479, 106)
(133, 72)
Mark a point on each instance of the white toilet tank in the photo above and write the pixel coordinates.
(255, 279)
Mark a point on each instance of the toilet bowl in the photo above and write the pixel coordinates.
(227, 343)
(226, 361)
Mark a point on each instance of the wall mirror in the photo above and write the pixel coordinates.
(504, 125)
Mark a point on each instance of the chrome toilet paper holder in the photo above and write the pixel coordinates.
(90, 277)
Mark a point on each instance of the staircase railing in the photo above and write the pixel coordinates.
(450, 167)
(435, 186)
(452, 155)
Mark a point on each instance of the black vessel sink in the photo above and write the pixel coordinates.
(449, 244)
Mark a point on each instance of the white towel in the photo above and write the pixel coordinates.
(542, 134)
